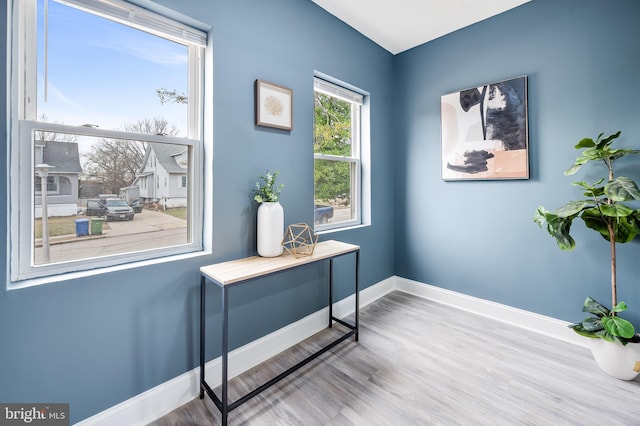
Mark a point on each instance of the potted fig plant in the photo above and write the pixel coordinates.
(603, 210)
(270, 226)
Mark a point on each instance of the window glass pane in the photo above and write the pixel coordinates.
(332, 180)
(101, 199)
(107, 74)
(332, 127)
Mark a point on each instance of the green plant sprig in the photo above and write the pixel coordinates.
(267, 191)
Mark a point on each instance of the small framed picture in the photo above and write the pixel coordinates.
(274, 105)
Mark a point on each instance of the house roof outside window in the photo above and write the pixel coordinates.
(64, 156)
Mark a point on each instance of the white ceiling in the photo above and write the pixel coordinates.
(399, 25)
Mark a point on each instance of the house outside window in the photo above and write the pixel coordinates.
(338, 166)
(93, 81)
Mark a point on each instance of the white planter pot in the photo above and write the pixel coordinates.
(615, 359)
(270, 229)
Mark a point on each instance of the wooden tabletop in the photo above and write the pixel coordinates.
(234, 271)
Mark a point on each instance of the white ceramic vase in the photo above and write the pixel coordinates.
(615, 359)
(270, 229)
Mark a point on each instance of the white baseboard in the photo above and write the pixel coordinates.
(542, 324)
(166, 397)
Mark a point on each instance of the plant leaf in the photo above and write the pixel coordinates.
(626, 229)
(620, 307)
(595, 192)
(619, 327)
(572, 208)
(592, 324)
(558, 227)
(594, 154)
(592, 190)
(634, 221)
(622, 189)
(615, 210)
(614, 154)
(587, 155)
(585, 143)
(539, 216)
(576, 166)
(604, 334)
(588, 186)
(608, 140)
(593, 219)
(594, 307)
(578, 328)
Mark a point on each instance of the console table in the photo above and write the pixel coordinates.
(242, 271)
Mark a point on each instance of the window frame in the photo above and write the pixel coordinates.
(357, 99)
(23, 123)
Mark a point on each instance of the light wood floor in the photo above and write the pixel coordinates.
(422, 363)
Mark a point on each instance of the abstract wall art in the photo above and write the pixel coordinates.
(485, 132)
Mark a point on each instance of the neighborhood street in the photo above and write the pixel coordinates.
(149, 229)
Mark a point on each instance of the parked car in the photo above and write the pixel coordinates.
(118, 209)
(110, 208)
(95, 208)
(322, 214)
(136, 205)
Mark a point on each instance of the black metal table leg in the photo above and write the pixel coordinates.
(330, 293)
(357, 294)
(202, 307)
(225, 355)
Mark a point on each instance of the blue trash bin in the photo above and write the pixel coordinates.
(82, 227)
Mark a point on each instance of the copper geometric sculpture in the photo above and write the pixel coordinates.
(299, 240)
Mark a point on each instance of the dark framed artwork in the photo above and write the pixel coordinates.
(274, 105)
(485, 132)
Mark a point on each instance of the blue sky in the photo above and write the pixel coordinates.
(101, 72)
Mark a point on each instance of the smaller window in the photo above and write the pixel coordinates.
(337, 156)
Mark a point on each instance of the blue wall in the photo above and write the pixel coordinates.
(63, 342)
(582, 60)
(98, 341)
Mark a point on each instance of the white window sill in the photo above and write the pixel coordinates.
(16, 285)
(346, 228)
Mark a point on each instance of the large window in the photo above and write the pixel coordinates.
(337, 144)
(106, 111)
